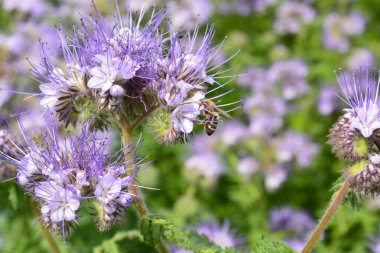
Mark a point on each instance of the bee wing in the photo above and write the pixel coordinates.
(223, 112)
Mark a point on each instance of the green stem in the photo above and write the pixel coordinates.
(48, 236)
(334, 204)
(138, 201)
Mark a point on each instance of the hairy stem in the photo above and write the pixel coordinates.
(333, 206)
(48, 236)
(138, 201)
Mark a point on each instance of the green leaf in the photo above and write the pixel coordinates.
(110, 246)
(266, 244)
(154, 227)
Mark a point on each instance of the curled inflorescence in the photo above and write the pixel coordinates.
(355, 137)
(61, 173)
(128, 69)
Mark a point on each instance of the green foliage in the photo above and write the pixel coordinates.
(110, 246)
(266, 244)
(154, 227)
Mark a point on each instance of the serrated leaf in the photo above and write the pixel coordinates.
(266, 244)
(110, 246)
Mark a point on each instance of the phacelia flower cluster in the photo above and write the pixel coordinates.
(355, 137)
(295, 224)
(291, 15)
(127, 70)
(337, 30)
(61, 173)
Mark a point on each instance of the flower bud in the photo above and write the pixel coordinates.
(346, 142)
(364, 178)
(161, 126)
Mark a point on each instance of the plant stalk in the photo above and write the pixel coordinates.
(48, 236)
(138, 201)
(333, 206)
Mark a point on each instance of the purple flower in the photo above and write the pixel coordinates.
(297, 146)
(245, 7)
(292, 15)
(256, 79)
(221, 235)
(247, 166)
(275, 176)
(231, 132)
(290, 76)
(62, 172)
(266, 111)
(327, 101)
(207, 164)
(374, 244)
(34, 7)
(183, 13)
(108, 188)
(185, 114)
(360, 92)
(361, 58)
(62, 203)
(337, 29)
(288, 219)
(297, 225)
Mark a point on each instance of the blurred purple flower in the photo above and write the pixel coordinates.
(182, 12)
(297, 225)
(207, 164)
(256, 79)
(221, 235)
(290, 75)
(266, 113)
(337, 30)
(327, 101)
(33, 7)
(247, 166)
(374, 244)
(291, 15)
(297, 146)
(275, 176)
(231, 132)
(245, 7)
(361, 58)
(288, 219)
(296, 244)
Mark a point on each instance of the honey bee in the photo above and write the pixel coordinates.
(211, 113)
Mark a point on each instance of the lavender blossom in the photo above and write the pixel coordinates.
(361, 57)
(360, 93)
(296, 224)
(338, 29)
(207, 164)
(128, 70)
(292, 15)
(327, 101)
(221, 235)
(266, 112)
(256, 79)
(61, 173)
(246, 7)
(184, 13)
(275, 176)
(290, 76)
(297, 146)
(247, 166)
(374, 244)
